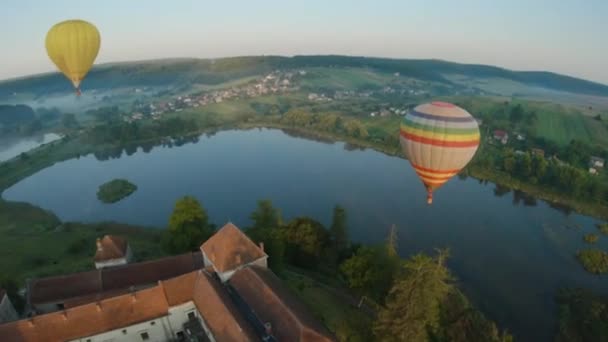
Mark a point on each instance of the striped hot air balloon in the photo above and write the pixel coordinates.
(439, 139)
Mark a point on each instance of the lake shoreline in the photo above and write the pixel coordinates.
(594, 210)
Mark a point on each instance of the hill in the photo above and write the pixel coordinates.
(177, 72)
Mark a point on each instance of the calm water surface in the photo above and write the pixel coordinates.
(510, 253)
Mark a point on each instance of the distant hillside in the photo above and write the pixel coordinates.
(206, 71)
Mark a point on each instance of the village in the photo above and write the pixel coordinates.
(276, 82)
(596, 164)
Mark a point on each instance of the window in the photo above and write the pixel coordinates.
(180, 335)
(124, 331)
(144, 336)
(152, 323)
(191, 315)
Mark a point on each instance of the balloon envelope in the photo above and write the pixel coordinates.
(439, 139)
(73, 45)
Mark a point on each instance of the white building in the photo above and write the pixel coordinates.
(112, 251)
(7, 311)
(194, 306)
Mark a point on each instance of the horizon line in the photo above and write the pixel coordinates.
(105, 64)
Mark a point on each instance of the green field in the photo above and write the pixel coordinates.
(34, 243)
(344, 78)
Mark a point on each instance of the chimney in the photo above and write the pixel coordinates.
(262, 246)
(99, 245)
(133, 294)
(268, 328)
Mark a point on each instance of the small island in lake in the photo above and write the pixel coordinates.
(115, 190)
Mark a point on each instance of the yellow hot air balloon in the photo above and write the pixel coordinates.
(73, 46)
(439, 139)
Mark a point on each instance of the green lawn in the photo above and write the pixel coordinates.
(34, 243)
(342, 319)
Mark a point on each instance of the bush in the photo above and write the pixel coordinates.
(591, 238)
(603, 228)
(593, 260)
(79, 247)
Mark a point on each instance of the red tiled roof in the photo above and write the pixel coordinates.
(257, 286)
(150, 271)
(111, 247)
(273, 303)
(180, 289)
(95, 297)
(62, 287)
(89, 319)
(499, 133)
(230, 248)
(85, 284)
(221, 315)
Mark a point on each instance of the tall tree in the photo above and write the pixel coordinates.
(266, 216)
(188, 226)
(370, 271)
(306, 240)
(413, 304)
(392, 242)
(274, 246)
(338, 229)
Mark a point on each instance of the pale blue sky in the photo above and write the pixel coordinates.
(565, 36)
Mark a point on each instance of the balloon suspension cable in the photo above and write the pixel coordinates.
(78, 92)
(429, 196)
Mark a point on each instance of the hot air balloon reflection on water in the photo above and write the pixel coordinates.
(73, 45)
(439, 139)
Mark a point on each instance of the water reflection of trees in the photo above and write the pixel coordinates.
(526, 199)
(353, 147)
(147, 146)
(500, 191)
(562, 208)
(308, 136)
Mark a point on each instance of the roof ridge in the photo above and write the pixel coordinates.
(274, 294)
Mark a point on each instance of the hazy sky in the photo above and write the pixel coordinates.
(565, 36)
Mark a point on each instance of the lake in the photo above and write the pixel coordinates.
(12, 147)
(510, 253)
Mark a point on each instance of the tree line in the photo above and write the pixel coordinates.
(417, 297)
(553, 173)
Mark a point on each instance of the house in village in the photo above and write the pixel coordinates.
(501, 136)
(112, 251)
(596, 162)
(223, 293)
(538, 152)
(7, 310)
